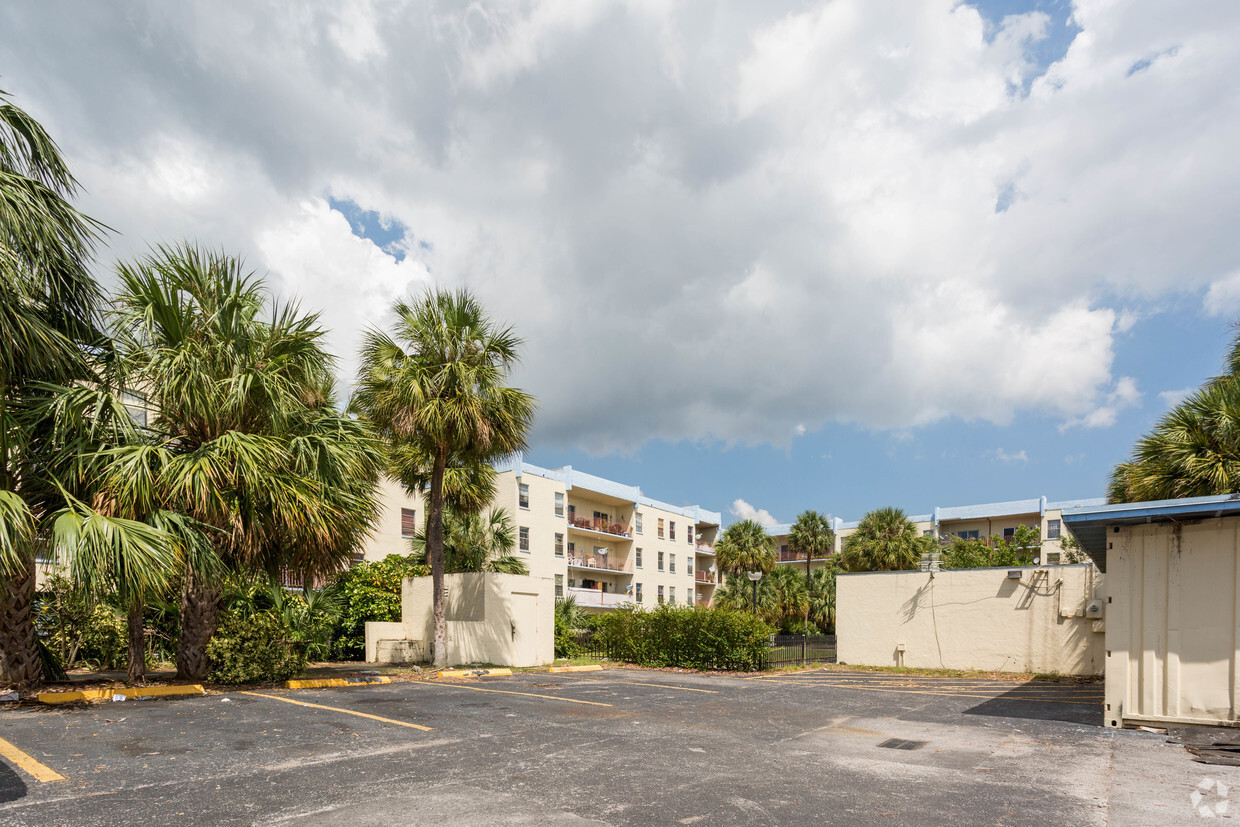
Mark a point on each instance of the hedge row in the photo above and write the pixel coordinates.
(693, 637)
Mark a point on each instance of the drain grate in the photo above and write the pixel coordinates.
(900, 743)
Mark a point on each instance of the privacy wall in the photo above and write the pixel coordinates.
(1025, 619)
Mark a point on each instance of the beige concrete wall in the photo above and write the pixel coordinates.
(503, 619)
(972, 619)
(1172, 634)
(385, 537)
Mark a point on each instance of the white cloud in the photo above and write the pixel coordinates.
(744, 511)
(709, 220)
(1172, 398)
(1000, 455)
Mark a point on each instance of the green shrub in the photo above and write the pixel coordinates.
(79, 631)
(105, 644)
(369, 591)
(694, 637)
(257, 647)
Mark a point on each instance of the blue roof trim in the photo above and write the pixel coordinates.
(1089, 523)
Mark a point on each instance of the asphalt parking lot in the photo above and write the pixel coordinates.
(615, 747)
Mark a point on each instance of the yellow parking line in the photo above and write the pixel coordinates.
(345, 711)
(506, 692)
(37, 770)
(659, 685)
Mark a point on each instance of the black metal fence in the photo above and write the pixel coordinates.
(794, 650)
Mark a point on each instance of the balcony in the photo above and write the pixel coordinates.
(598, 562)
(598, 599)
(705, 577)
(704, 548)
(794, 557)
(595, 526)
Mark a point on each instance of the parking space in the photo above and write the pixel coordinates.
(620, 746)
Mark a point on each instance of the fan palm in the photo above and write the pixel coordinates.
(745, 546)
(821, 586)
(473, 543)
(885, 540)
(737, 594)
(811, 536)
(244, 438)
(437, 386)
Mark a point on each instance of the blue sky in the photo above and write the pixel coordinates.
(830, 254)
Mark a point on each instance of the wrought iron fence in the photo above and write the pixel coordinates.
(789, 650)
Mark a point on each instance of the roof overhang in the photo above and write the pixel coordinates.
(1089, 524)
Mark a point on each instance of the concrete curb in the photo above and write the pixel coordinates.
(472, 673)
(129, 693)
(588, 668)
(323, 683)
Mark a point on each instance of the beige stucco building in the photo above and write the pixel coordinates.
(1034, 618)
(1172, 607)
(604, 543)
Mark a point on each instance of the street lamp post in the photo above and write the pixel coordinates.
(754, 577)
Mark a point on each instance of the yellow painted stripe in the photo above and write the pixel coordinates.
(37, 770)
(592, 668)
(659, 685)
(508, 692)
(323, 683)
(135, 692)
(345, 711)
(473, 673)
(70, 697)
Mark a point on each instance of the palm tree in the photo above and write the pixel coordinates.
(48, 316)
(821, 586)
(473, 543)
(244, 439)
(1193, 451)
(438, 385)
(791, 597)
(743, 547)
(737, 594)
(885, 540)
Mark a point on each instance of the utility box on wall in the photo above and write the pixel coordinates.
(504, 619)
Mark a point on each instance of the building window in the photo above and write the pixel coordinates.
(637, 559)
(660, 563)
(523, 495)
(660, 594)
(690, 530)
(639, 592)
(1052, 529)
(408, 522)
(967, 535)
(524, 542)
(671, 563)
(671, 594)
(135, 406)
(638, 517)
(929, 532)
(689, 566)
(783, 551)
(572, 548)
(1052, 558)
(559, 503)
(660, 528)
(559, 585)
(559, 545)
(671, 530)
(1009, 533)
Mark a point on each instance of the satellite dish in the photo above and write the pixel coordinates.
(1037, 561)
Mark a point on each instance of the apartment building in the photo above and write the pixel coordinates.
(603, 542)
(970, 522)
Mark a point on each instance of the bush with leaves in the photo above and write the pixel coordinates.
(77, 630)
(994, 552)
(570, 624)
(253, 648)
(695, 637)
(369, 591)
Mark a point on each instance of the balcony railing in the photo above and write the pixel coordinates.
(596, 561)
(795, 557)
(599, 599)
(599, 525)
(704, 548)
(704, 577)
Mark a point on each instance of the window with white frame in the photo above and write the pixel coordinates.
(671, 530)
(638, 518)
(660, 561)
(559, 545)
(689, 530)
(637, 559)
(559, 585)
(671, 563)
(638, 592)
(559, 503)
(660, 594)
(523, 542)
(1052, 529)
(689, 565)
(408, 523)
(660, 528)
(671, 594)
(523, 495)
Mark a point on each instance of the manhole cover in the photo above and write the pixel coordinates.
(900, 743)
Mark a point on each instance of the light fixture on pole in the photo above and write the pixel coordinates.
(754, 577)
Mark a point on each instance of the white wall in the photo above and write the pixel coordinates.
(972, 619)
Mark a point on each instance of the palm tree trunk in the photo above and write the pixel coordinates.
(137, 643)
(19, 650)
(434, 545)
(200, 614)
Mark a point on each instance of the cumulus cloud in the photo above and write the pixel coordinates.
(708, 221)
(744, 511)
(1000, 455)
(1174, 397)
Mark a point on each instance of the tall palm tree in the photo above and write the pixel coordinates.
(745, 546)
(48, 302)
(737, 594)
(473, 542)
(244, 436)
(821, 586)
(1193, 451)
(811, 536)
(437, 384)
(885, 540)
